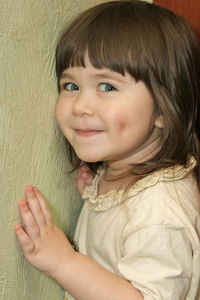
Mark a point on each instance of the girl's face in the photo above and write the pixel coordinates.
(106, 116)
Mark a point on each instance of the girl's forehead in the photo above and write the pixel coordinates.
(95, 73)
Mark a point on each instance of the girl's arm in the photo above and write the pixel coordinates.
(47, 248)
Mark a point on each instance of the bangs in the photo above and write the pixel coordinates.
(104, 33)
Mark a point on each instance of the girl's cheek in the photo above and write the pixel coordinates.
(122, 126)
(57, 111)
(120, 121)
(115, 119)
(60, 113)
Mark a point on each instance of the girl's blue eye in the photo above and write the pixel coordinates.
(106, 87)
(71, 87)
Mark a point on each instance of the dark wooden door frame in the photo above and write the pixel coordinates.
(189, 9)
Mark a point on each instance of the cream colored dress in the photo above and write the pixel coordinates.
(151, 237)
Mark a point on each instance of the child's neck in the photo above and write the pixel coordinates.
(105, 186)
(118, 173)
(114, 179)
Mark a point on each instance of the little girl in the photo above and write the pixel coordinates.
(128, 75)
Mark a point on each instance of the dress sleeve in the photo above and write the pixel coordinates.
(157, 260)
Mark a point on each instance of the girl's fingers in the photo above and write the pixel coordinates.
(80, 185)
(84, 177)
(31, 226)
(43, 205)
(88, 177)
(34, 205)
(85, 173)
(24, 240)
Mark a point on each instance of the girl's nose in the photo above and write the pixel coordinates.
(83, 105)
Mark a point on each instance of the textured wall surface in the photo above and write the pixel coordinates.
(32, 150)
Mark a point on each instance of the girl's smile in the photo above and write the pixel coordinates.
(87, 132)
(107, 116)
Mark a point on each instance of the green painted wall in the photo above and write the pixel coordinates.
(32, 149)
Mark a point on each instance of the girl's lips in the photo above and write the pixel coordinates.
(87, 132)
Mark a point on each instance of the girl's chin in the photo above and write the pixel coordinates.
(88, 158)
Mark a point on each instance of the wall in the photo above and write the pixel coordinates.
(32, 149)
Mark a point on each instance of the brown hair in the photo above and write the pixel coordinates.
(155, 46)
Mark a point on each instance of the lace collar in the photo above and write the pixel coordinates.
(114, 198)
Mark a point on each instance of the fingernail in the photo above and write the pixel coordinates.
(17, 227)
(28, 188)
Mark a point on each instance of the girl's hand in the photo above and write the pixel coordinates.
(43, 244)
(84, 177)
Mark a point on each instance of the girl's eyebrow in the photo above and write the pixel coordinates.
(111, 75)
(67, 75)
(103, 75)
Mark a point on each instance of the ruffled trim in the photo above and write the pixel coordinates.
(114, 198)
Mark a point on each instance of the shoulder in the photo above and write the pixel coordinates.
(169, 204)
(168, 189)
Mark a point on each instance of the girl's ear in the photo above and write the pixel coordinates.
(159, 122)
